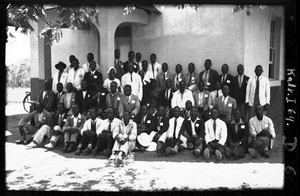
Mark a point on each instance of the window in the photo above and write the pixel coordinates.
(123, 31)
(272, 50)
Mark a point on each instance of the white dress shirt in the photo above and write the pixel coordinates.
(264, 90)
(105, 124)
(170, 131)
(136, 84)
(157, 69)
(107, 81)
(221, 131)
(180, 99)
(63, 80)
(212, 97)
(87, 125)
(256, 126)
(75, 77)
(86, 67)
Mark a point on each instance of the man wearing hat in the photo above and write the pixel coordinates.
(60, 77)
(112, 78)
(262, 133)
(146, 123)
(92, 77)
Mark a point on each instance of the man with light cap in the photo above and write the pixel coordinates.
(111, 78)
(125, 137)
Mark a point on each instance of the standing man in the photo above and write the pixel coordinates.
(60, 77)
(209, 76)
(154, 67)
(130, 61)
(238, 90)
(215, 136)
(129, 102)
(58, 96)
(71, 58)
(86, 66)
(68, 99)
(46, 96)
(258, 92)
(225, 77)
(93, 77)
(163, 76)
(118, 64)
(76, 74)
(181, 96)
(177, 77)
(165, 95)
(201, 98)
(138, 57)
(191, 78)
(134, 80)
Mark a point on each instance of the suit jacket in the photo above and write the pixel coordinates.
(150, 122)
(212, 97)
(264, 90)
(162, 125)
(212, 79)
(92, 82)
(84, 103)
(119, 67)
(34, 117)
(56, 100)
(227, 80)
(199, 127)
(48, 100)
(237, 92)
(181, 77)
(56, 118)
(99, 99)
(133, 105)
(70, 122)
(225, 111)
(221, 131)
(160, 81)
(64, 100)
(116, 103)
(193, 83)
(162, 97)
(179, 127)
(241, 135)
(205, 98)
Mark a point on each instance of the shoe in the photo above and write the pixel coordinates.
(166, 152)
(266, 154)
(106, 152)
(136, 149)
(142, 149)
(29, 140)
(158, 146)
(173, 151)
(253, 152)
(71, 147)
(31, 145)
(87, 151)
(20, 142)
(49, 146)
(197, 152)
(78, 151)
(228, 152)
(65, 148)
(112, 157)
(206, 153)
(95, 151)
(218, 155)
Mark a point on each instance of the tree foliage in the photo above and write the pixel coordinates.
(18, 75)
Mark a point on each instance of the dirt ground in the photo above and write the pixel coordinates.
(148, 172)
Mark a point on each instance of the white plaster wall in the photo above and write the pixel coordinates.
(184, 36)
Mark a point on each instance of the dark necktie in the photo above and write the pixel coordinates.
(217, 93)
(214, 126)
(131, 76)
(177, 81)
(92, 75)
(257, 87)
(59, 76)
(153, 69)
(109, 126)
(59, 119)
(175, 124)
(93, 126)
(164, 77)
(190, 80)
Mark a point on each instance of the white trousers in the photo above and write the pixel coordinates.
(126, 147)
(42, 132)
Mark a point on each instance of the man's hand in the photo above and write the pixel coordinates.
(156, 137)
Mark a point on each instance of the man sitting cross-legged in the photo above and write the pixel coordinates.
(72, 129)
(53, 131)
(261, 130)
(215, 136)
(125, 137)
(41, 119)
(162, 126)
(88, 132)
(194, 132)
(105, 139)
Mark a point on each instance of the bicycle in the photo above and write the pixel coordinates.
(27, 102)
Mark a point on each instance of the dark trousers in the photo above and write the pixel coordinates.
(85, 140)
(105, 141)
(214, 145)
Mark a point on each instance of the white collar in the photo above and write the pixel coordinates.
(79, 116)
(190, 119)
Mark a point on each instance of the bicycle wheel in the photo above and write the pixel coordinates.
(26, 104)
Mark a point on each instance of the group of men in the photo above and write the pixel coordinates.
(142, 106)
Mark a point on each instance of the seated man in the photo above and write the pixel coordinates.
(68, 99)
(52, 131)
(72, 128)
(215, 136)
(129, 102)
(201, 98)
(181, 96)
(162, 126)
(46, 96)
(261, 130)
(186, 112)
(172, 139)
(105, 140)
(99, 98)
(194, 132)
(214, 94)
(125, 137)
(237, 139)
(57, 96)
(83, 98)
(41, 119)
(89, 133)
(113, 98)
(145, 124)
(165, 96)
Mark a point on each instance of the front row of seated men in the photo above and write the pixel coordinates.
(207, 135)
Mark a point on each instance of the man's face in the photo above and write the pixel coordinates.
(127, 91)
(152, 59)
(259, 111)
(126, 116)
(39, 108)
(188, 105)
(168, 84)
(71, 58)
(224, 69)
(144, 65)
(130, 67)
(60, 109)
(92, 65)
(176, 112)
(75, 110)
(164, 67)
(75, 63)
(236, 115)
(258, 71)
(201, 86)
(69, 87)
(194, 113)
(240, 70)
(113, 87)
(117, 54)
(191, 68)
(214, 114)
(93, 114)
(47, 85)
(138, 57)
(178, 69)
(59, 87)
(207, 64)
(225, 90)
(110, 114)
(144, 110)
(131, 56)
(83, 85)
(142, 74)
(181, 85)
(89, 57)
(161, 111)
(218, 85)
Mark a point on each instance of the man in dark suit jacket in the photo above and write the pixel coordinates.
(93, 77)
(238, 90)
(194, 132)
(225, 77)
(46, 96)
(99, 98)
(118, 64)
(237, 136)
(83, 98)
(130, 60)
(162, 122)
(165, 95)
(57, 96)
(209, 76)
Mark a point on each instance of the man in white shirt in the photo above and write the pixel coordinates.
(60, 77)
(257, 92)
(177, 77)
(201, 97)
(76, 74)
(118, 64)
(181, 96)
(214, 94)
(191, 78)
(215, 136)
(261, 134)
(134, 80)
(154, 67)
(163, 76)
(86, 66)
(138, 57)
